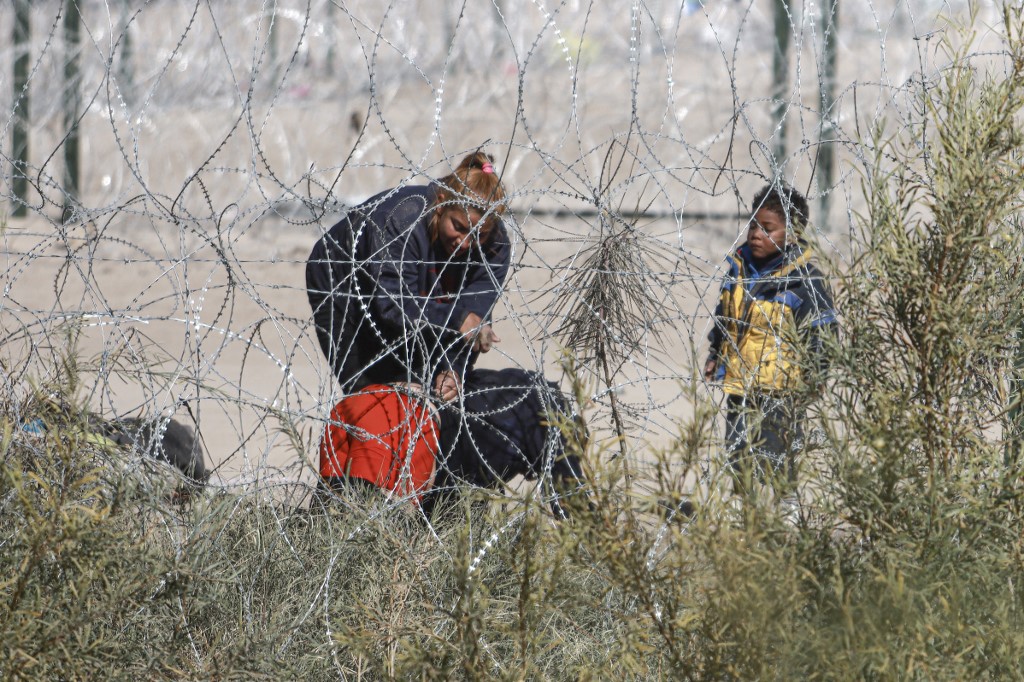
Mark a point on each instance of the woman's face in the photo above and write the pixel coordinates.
(766, 234)
(457, 229)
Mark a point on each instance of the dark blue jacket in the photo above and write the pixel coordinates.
(388, 302)
(509, 423)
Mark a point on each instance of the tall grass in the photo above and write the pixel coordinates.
(905, 563)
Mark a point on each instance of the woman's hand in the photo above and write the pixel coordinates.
(485, 339)
(447, 386)
(478, 333)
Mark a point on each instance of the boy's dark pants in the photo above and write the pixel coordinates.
(764, 434)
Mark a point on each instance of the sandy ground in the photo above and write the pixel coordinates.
(181, 274)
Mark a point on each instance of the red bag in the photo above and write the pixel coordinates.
(382, 435)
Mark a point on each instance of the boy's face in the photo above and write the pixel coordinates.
(766, 234)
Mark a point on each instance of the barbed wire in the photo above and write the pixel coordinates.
(218, 140)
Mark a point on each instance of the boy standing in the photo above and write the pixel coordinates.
(774, 302)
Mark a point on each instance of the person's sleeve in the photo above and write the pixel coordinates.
(398, 257)
(818, 317)
(478, 294)
(485, 282)
(716, 337)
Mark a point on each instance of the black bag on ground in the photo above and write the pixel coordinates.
(507, 425)
(166, 440)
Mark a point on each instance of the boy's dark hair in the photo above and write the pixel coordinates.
(784, 200)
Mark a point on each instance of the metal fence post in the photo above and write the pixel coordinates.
(72, 106)
(22, 39)
(780, 75)
(827, 133)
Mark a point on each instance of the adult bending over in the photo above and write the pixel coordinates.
(402, 290)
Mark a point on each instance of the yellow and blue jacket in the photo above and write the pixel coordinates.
(764, 315)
